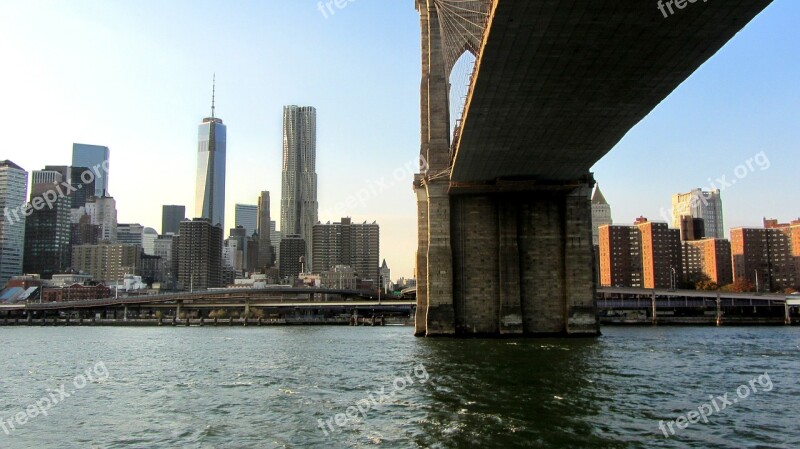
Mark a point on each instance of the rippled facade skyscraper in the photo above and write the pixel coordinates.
(211, 155)
(299, 177)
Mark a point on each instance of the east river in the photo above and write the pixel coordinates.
(340, 387)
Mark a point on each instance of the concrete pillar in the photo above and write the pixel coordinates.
(421, 314)
(475, 261)
(523, 263)
(654, 305)
(508, 268)
(787, 315)
(542, 264)
(440, 319)
(434, 287)
(580, 282)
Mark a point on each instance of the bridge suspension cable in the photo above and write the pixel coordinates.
(462, 23)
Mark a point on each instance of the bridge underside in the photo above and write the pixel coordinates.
(505, 219)
(558, 84)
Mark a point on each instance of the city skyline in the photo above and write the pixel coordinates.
(742, 102)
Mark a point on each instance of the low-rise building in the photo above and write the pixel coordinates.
(342, 277)
(107, 263)
(76, 292)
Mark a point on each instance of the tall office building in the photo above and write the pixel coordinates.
(64, 170)
(299, 178)
(246, 216)
(692, 228)
(13, 191)
(137, 235)
(700, 204)
(47, 229)
(199, 255)
(96, 159)
(345, 243)
(163, 248)
(275, 237)
(171, 218)
(149, 237)
(266, 256)
(103, 212)
(130, 234)
(83, 180)
(601, 214)
(242, 250)
(83, 231)
(386, 277)
(211, 155)
(293, 256)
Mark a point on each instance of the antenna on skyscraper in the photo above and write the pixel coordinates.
(213, 92)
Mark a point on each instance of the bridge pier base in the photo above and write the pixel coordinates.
(440, 316)
(510, 263)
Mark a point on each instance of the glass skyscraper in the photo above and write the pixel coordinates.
(96, 159)
(265, 243)
(246, 216)
(700, 204)
(299, 177)
(13, 192)
(47, 229)
(171, 218)
(210, 192)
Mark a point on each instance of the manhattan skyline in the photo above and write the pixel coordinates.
(363, 76)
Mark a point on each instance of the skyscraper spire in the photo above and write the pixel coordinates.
(213, 92)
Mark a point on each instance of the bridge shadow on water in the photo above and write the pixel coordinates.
(515, 393)
(608, 392)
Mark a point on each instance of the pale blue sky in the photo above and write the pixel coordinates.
(136, 76)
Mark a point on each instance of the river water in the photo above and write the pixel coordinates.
(338, 387)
